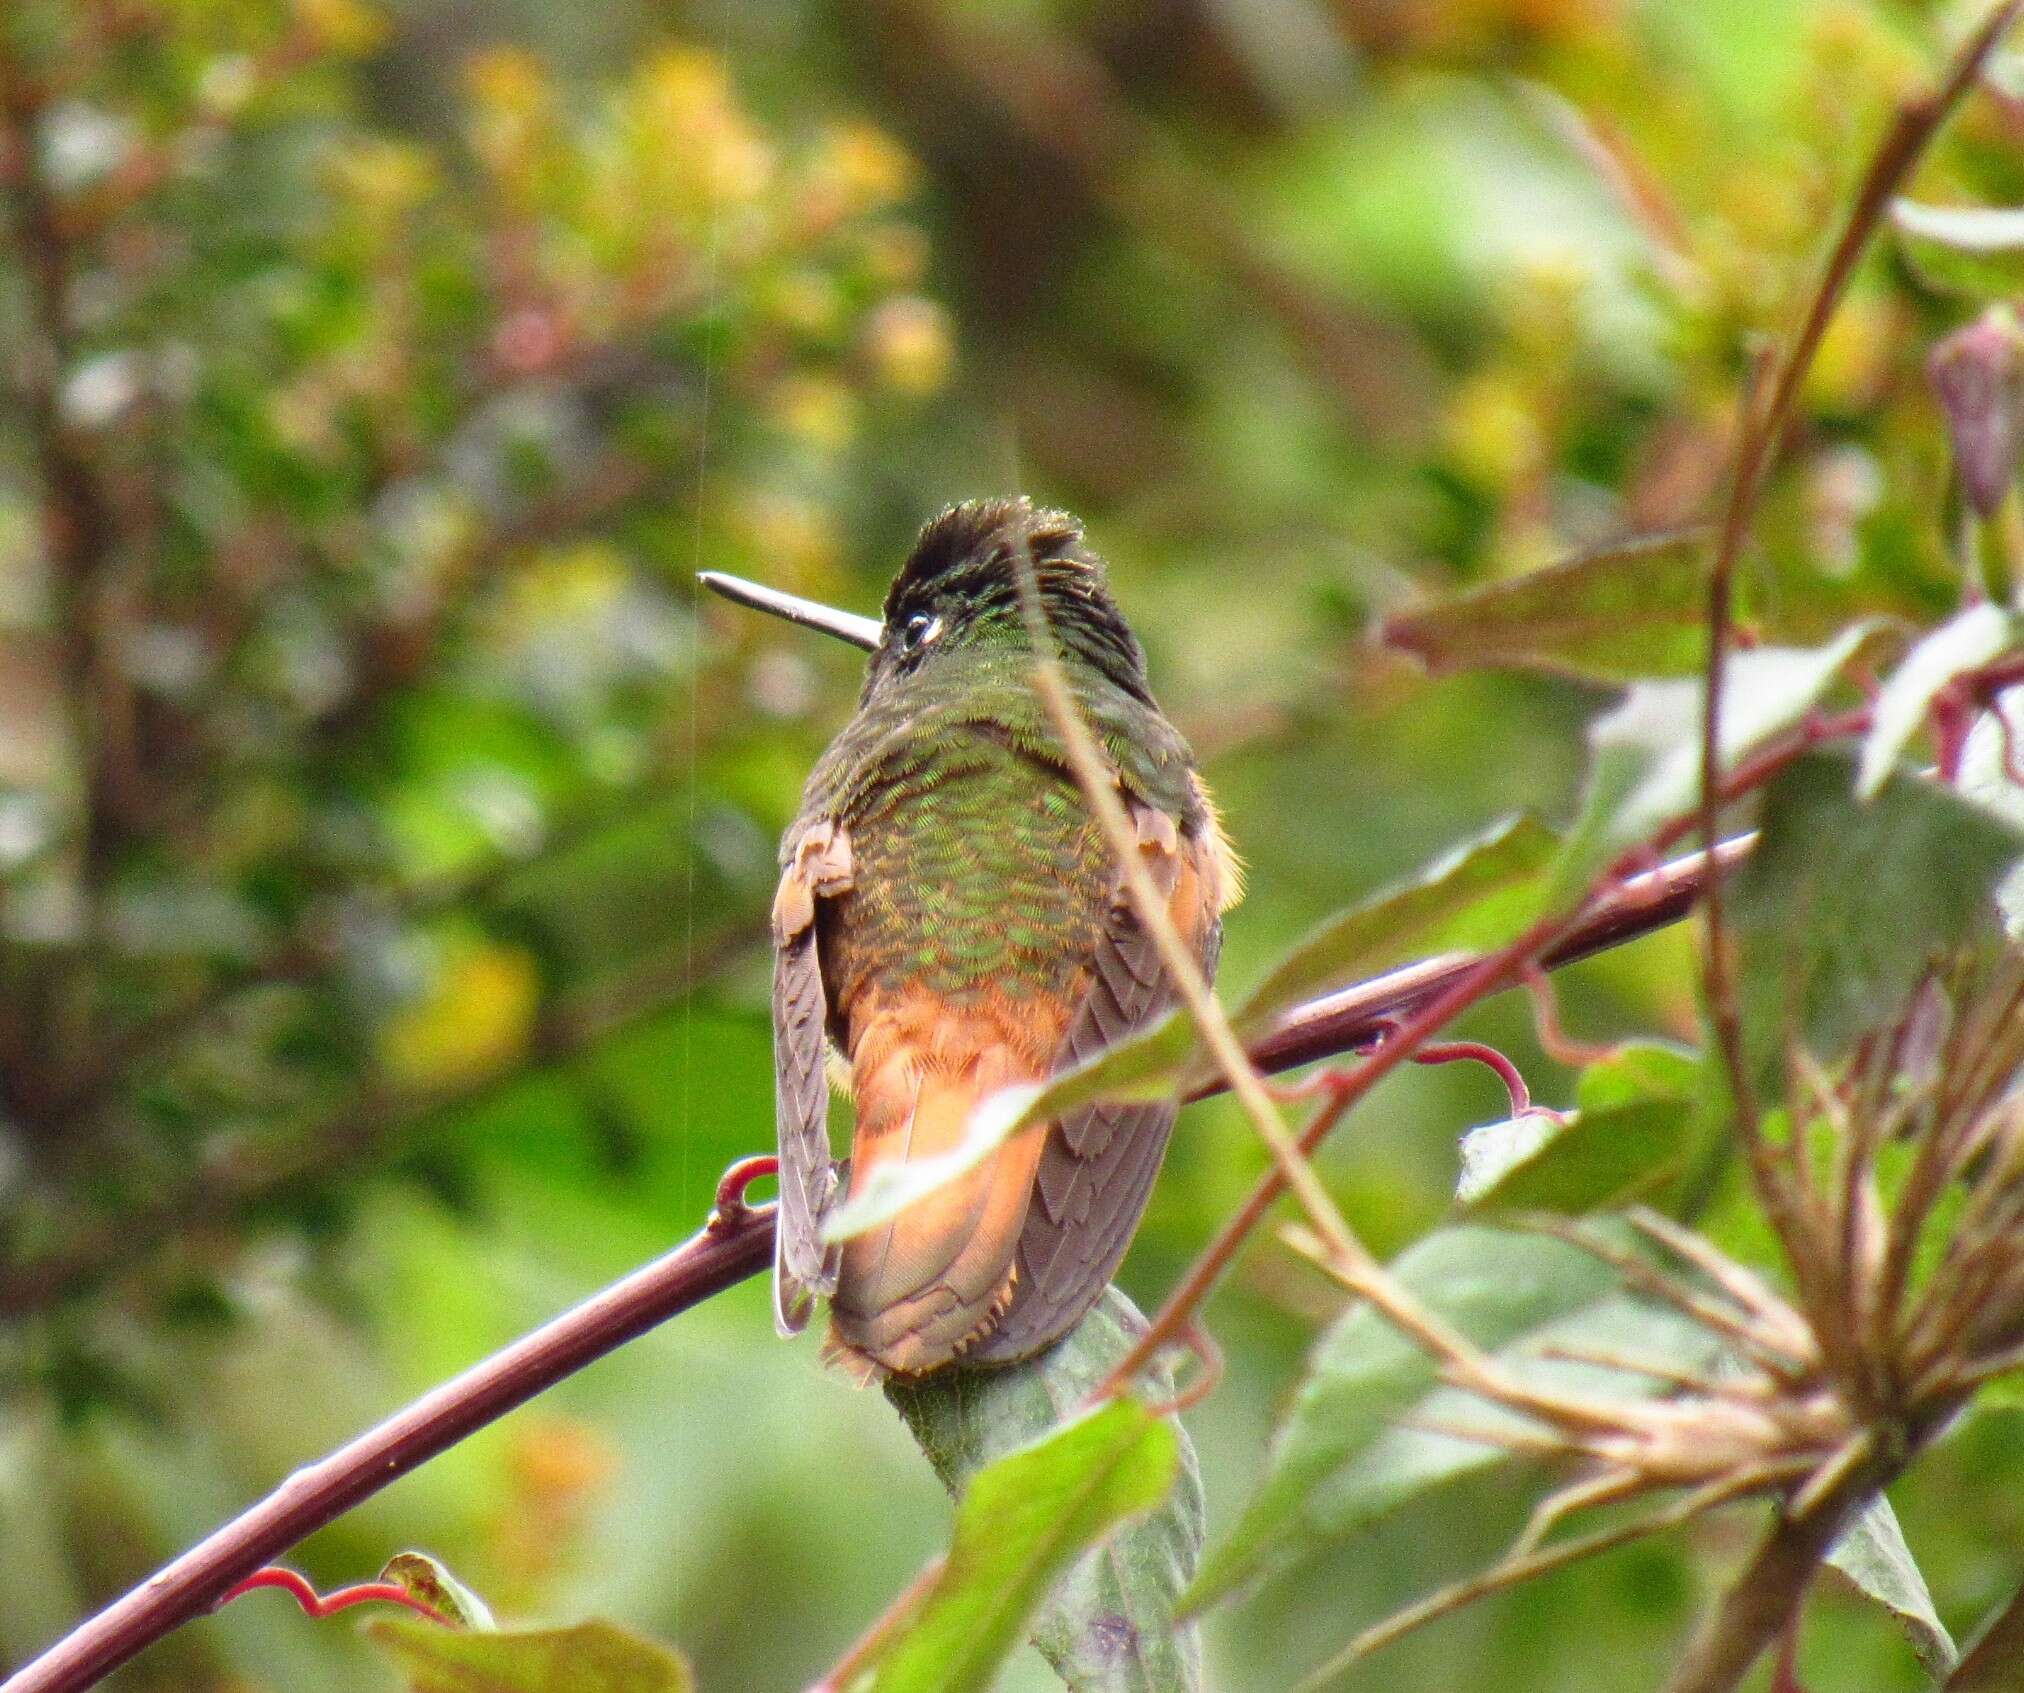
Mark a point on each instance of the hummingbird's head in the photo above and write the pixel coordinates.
(959, 592)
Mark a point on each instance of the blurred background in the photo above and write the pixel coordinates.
(386, 829)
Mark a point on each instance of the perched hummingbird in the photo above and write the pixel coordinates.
(952, 919)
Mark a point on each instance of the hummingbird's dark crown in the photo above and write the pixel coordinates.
(960, 588)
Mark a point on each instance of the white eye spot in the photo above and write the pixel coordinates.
(922, 629)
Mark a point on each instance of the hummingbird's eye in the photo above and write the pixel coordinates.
(919, 630)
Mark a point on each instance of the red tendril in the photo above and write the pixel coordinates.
(1554, 1040)
(317, 1604)
(730, 1207)
(1210, 1356)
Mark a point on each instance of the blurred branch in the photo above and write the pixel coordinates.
(1063, 103)
(119, 1058)
(79, 526)
(364, 1129)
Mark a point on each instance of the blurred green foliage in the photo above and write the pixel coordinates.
(385, 829)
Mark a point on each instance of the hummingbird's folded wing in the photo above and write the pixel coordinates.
(819, 867)
(1097, 1168)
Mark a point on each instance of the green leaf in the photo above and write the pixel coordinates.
(423, 1578)
(1635, 609)
(592, 1657)
(1873, 1555)
(1645, 770)
(1964, 643)
(1108, 1626)
(1593, 1161)
(1994, 1661)
(1341, 1460)
(1976, 250)
(1491, 1152)
(1409, 918)
(1023, 1521)
(1638, 1071)
(1842, 906)
(1632, 1135)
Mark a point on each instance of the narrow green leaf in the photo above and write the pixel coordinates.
(1976, 250)
(423, 1578)
(1842, 906)
(592, 1657)
(1022, 1522)
(1873, 1555)
(1341, 1460)
(1645, 768)
(894, 1185)
(1964, 643)
(1635, 609)
(1371, 936)
(1108, 1626)
(1994, 1661)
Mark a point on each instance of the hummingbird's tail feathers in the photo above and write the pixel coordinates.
(927, 1286)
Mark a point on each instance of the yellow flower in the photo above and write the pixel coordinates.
(343, 26)
(685, 83)
(868, 168)
(1491, 432)
(806, 301)
(1855, 354)
(507, 80)
(512, 111)
(817, 410)
(476, 1018)
(910, 345)
(558, 1459)
(794, 537)
(384, 178)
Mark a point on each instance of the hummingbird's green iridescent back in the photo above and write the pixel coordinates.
(978, 862)
(952, 918)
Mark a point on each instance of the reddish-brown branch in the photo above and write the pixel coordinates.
(732, 1248)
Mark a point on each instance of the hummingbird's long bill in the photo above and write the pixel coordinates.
(809, 614)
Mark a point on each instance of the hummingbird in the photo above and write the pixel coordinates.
(951, 921)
